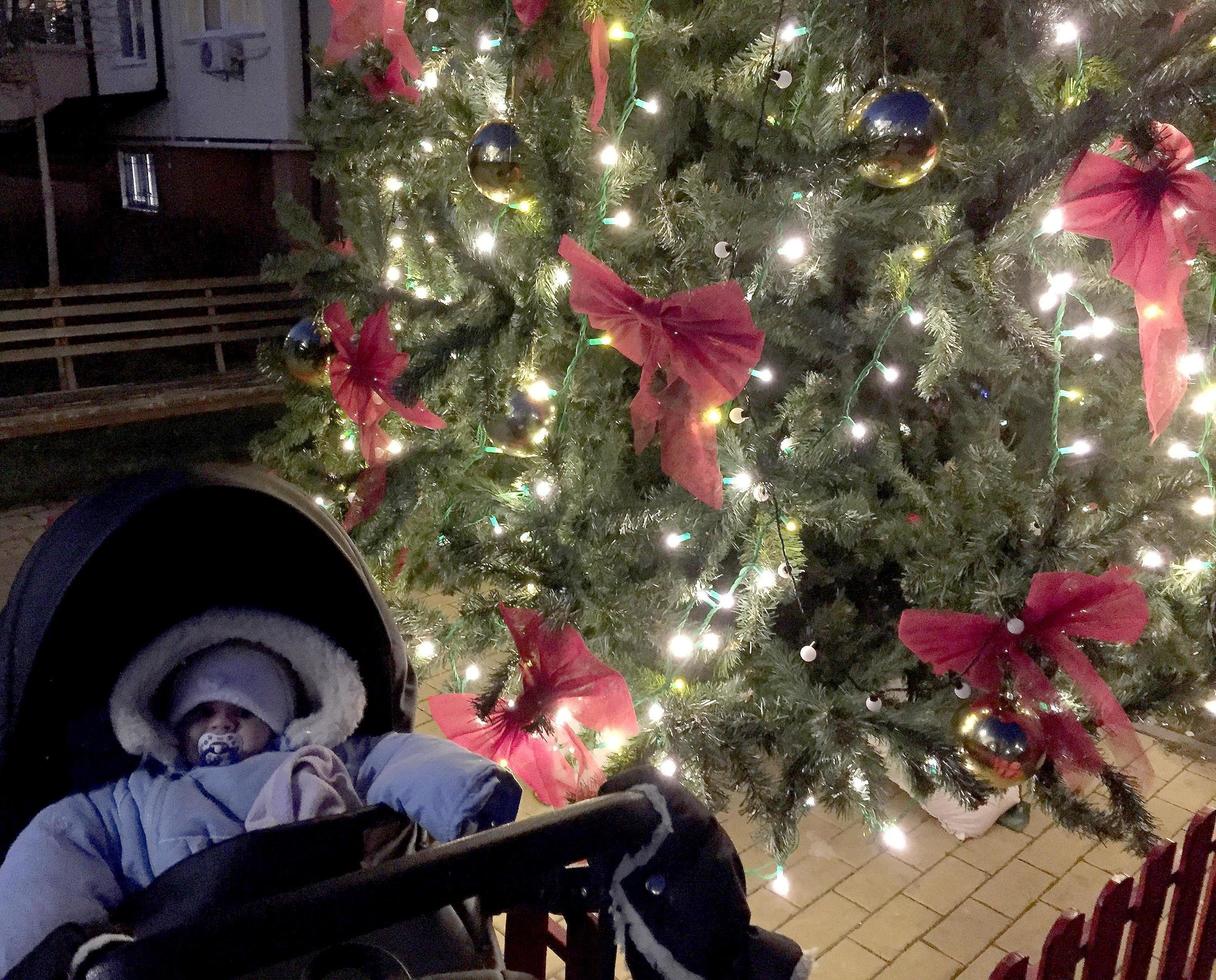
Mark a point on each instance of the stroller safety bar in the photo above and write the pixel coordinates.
(507, 863)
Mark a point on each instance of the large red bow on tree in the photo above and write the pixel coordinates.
(1155, 212)
(362, 374)
(561, 679)
(598, 54)
(706, 344)
(356, 22)
(1060, 606)
(529, 11)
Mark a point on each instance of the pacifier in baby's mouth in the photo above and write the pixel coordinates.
(218, 749)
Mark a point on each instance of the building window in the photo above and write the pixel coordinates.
(137, 174)
(131, 40)
(213, 15)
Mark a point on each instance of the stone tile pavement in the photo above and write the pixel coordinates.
(937, 909)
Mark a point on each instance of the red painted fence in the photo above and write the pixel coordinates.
(1121, 934)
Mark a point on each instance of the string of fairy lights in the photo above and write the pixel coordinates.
(710, 600)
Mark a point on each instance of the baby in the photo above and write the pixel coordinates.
(243, 719)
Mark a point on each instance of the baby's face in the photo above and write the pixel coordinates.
(222, 718)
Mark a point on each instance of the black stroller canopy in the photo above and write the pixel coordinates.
(121, 566)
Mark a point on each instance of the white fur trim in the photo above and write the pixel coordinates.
(625, 916)
(803, 968)
(330, 678)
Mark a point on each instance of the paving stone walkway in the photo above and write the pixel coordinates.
(938, 909)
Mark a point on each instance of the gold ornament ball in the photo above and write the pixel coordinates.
(902, 128)
(496, 162)
(1000, 740)
(307, 349)
(523, 428)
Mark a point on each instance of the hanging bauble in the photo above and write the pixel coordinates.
(902, 128)
(1001, 742)
(522, 429)
(495, 162)
(306, 352)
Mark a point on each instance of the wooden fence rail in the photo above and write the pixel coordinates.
(1123, 928)
(81, 356)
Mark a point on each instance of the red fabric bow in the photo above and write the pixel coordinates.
(368, 495)
(529, 11)
(1154, 212)
(706, 344)
(362, 375)
(355, 22)
(1061, 605)
(598, 54)
(558, 672)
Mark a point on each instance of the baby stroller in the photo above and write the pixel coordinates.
(120, 567)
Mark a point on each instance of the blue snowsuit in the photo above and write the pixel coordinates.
(80, 857)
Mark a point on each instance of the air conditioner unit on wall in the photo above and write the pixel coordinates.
(223, 56)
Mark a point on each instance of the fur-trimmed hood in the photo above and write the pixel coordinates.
(329, 678)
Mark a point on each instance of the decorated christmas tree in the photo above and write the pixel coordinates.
(837, 373)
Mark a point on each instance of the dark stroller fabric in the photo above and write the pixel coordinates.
(679, 905)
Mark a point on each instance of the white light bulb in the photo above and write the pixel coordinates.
(484, 43)
(780, 884)
(422, 292)
(1152, 558)
(651, 105)
(766, 579)
(1205, 401)
(319, 500)
(622, 219)
(431, 15)
(655, 712)
(395, 241)
(894, 838)
(810, 800)
(673, 540)
(1061, 282)
(1194, 565)
(1204, 506)
(668, 767)
(789, 32)
(711, 641)
(563, 716)
(680, 646)
(1049, 300)
(1180, 450)
(499, 530)
(425, 650)
(395, 447)
(792, 249)
(543, 489)
(1082, 447)
(764, 375)
(429, 238)
(741, 481)
(393, 184)
(472, 673)
(1180, 213)
(430, 80)
(890, 374)
(612, 741)
(1053, 221)
(392, 274)
(610, 156)
(349, 444)
(484, 242)
(1191, 364)
(1210, 706)
(726, 600)
(561, 276)
(859, 783)
(1103, 326)
(916, 317)
(859, 430)
(1066, 32)
(539, 390)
